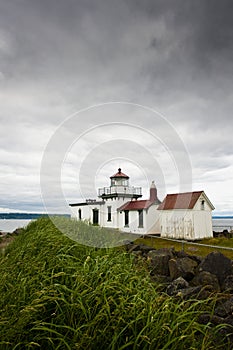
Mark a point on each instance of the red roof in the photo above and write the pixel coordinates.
(180, 201)
(120, 174)
(136, 205)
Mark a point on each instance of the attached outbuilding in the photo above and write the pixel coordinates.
(186, 216)
(141, 216)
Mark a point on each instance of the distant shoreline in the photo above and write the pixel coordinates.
(222, 217)
(26, 216)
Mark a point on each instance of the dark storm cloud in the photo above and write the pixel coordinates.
(57, 56)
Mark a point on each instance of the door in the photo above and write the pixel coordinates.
(95, 216)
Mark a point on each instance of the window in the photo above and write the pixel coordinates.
(80, 214)
(126, 218)
(140, 218)
(109, 213)
(202, 205)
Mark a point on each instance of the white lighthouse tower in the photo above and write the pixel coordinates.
(119, 188)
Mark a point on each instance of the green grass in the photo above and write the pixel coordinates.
(189, 247)
(58, 294)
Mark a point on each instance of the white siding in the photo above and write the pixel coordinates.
(133, 222)
(177, 224)
(203, 224)
(152, 220)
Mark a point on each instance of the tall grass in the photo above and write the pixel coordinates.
(57, 294)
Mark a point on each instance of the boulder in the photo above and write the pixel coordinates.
(205, 278)
(177, 285)
(189, 292)
(146, 249)
(218, 264)
(225, 309)
(206, 318)
(132, 247)
(159, 261)
(182, 267)
(228, 284)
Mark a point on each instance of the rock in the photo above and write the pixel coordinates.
(205, 278)
(164, 251)
(228, 284)
(225, 309)
(17, 231)
(133, 247)
(229, 320)
(190, 292)
(177, 285)
(181, 254)
(146, 249)
(159, 261)
(206, 318)
(182, 267)
(218, 264)
(160, 265)
(162, 280)
(196, 258)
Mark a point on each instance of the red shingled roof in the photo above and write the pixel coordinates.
(180, 201)
(136, 205)
(120, 174)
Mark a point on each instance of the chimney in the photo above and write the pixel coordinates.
(153, 192)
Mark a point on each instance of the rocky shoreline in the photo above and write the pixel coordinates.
(185, 276)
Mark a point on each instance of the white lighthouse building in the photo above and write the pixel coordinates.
(118, 206)
(181, 215)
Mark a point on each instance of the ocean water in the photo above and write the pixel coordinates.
(12, 224)
(222, 224)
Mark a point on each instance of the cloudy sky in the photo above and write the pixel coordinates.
(88, 86)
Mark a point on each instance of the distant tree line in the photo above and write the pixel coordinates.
(25, 216)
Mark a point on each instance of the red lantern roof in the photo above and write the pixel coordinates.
(119, 174)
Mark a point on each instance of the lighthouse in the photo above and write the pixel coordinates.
(180, 215)
(119, 188)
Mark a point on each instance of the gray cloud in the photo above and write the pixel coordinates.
(57, 57)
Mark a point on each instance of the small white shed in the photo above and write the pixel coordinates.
(186, 216)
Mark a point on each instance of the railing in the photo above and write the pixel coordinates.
(120, 190)
(189, 246)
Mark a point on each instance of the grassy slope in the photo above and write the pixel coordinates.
(56, 294)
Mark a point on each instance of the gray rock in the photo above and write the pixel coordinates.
(228, 284)
(177, 285)
(182, 267)
(218, 264)
(189, 292)
(159, 261)
(225, 309)
(206, 318)
(205, 278)
(133, 247)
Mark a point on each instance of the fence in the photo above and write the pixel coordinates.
(188, 246)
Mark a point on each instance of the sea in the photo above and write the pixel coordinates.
(9, 222)
(9, 225)
(221, 223)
